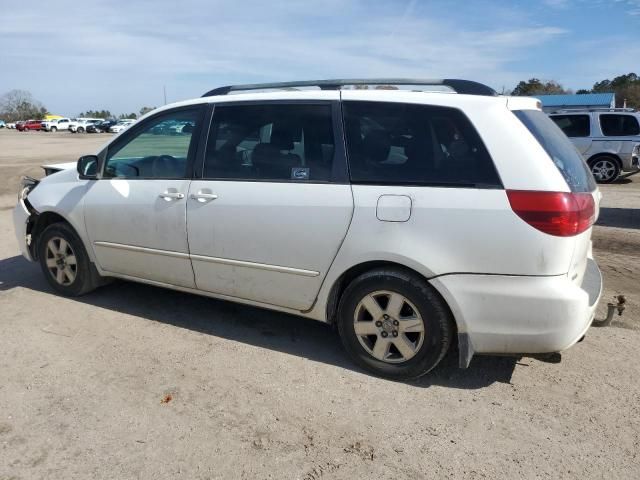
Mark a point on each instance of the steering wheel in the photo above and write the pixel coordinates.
(164, 166)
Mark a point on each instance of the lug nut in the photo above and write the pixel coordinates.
(396, 323)
(384, 334)
(385, 316)
(395, 333)
(378, 323)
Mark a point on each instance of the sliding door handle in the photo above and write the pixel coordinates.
(172, 196)
(203, 197)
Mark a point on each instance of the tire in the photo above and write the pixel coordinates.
(422, 325)
(80, 130)
(605, 169)
(58, 245)
(54, 129)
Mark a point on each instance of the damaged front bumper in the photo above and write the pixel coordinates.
(22, 223)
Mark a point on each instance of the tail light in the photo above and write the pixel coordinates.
(557, 213)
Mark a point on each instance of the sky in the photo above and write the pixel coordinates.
(121, 55)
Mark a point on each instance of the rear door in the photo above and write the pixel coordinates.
(272, 206)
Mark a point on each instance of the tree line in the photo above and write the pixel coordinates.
(18, 105)
(626, 87)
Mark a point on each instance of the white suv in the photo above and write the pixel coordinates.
(56, 124)
(79, 125)
(411, 219)
(606, 138)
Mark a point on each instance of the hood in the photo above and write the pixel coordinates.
(56, 167)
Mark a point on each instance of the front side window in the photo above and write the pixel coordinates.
(616, 125)
(415, 145)
(573, 125)
(280, 142)
(159, 150)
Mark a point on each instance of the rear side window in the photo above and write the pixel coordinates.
(573, 125)
(415, 145)
(281, 142)
(563, 153)
(615, 125)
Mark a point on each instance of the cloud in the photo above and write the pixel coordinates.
(119, 55)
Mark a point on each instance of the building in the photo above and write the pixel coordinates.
(586, 101)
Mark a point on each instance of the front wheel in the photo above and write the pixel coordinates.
(605, 169)
(394, 324)
(80, 129)
(54, 129)
(64, 261)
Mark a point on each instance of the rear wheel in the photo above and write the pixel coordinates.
(394, 324)
(605, 169)
(64, 261)
(80, 129)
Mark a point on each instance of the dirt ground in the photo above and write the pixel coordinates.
(136, 382)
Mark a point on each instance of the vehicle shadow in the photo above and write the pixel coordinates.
(619, 217)
(257, 327)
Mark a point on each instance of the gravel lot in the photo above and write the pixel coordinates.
(134, 381)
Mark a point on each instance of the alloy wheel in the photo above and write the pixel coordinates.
(388, 326)
(61, 261)
(603, 170)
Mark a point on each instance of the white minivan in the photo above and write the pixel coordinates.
(413, 219)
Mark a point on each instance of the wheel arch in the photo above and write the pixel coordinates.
(41, 220)
(341, 283)
(612, 155)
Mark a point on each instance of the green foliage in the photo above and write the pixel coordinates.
(96, 114)
(626, 87)
(145, 110)
(20, 105)
(127, 115)
(536, 86)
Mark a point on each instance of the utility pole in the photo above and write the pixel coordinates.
(164, 89)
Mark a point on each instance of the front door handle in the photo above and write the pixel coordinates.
(171, 196)
(203, 197)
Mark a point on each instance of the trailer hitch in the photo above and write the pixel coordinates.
(611, 310)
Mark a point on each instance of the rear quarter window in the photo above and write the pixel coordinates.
(409, 144)
(564, 154)
(616, 125)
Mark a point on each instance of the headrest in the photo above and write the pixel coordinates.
(282, 139)
(376, 146)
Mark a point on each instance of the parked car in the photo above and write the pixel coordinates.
(406, 218)
(604, 137)
(121, 125)
(2, 124)
(80, 125)
(56, 124)
(20, 125)
(11, 125)
(30, 125)
(101, 127)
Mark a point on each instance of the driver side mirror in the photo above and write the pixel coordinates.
(88, 167)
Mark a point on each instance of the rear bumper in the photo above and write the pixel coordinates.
(20, 222)
(499, 314)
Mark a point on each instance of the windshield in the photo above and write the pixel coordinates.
(563, 153)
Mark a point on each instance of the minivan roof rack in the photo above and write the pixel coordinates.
(467, 87)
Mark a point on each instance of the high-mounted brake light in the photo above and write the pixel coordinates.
(557, 213)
